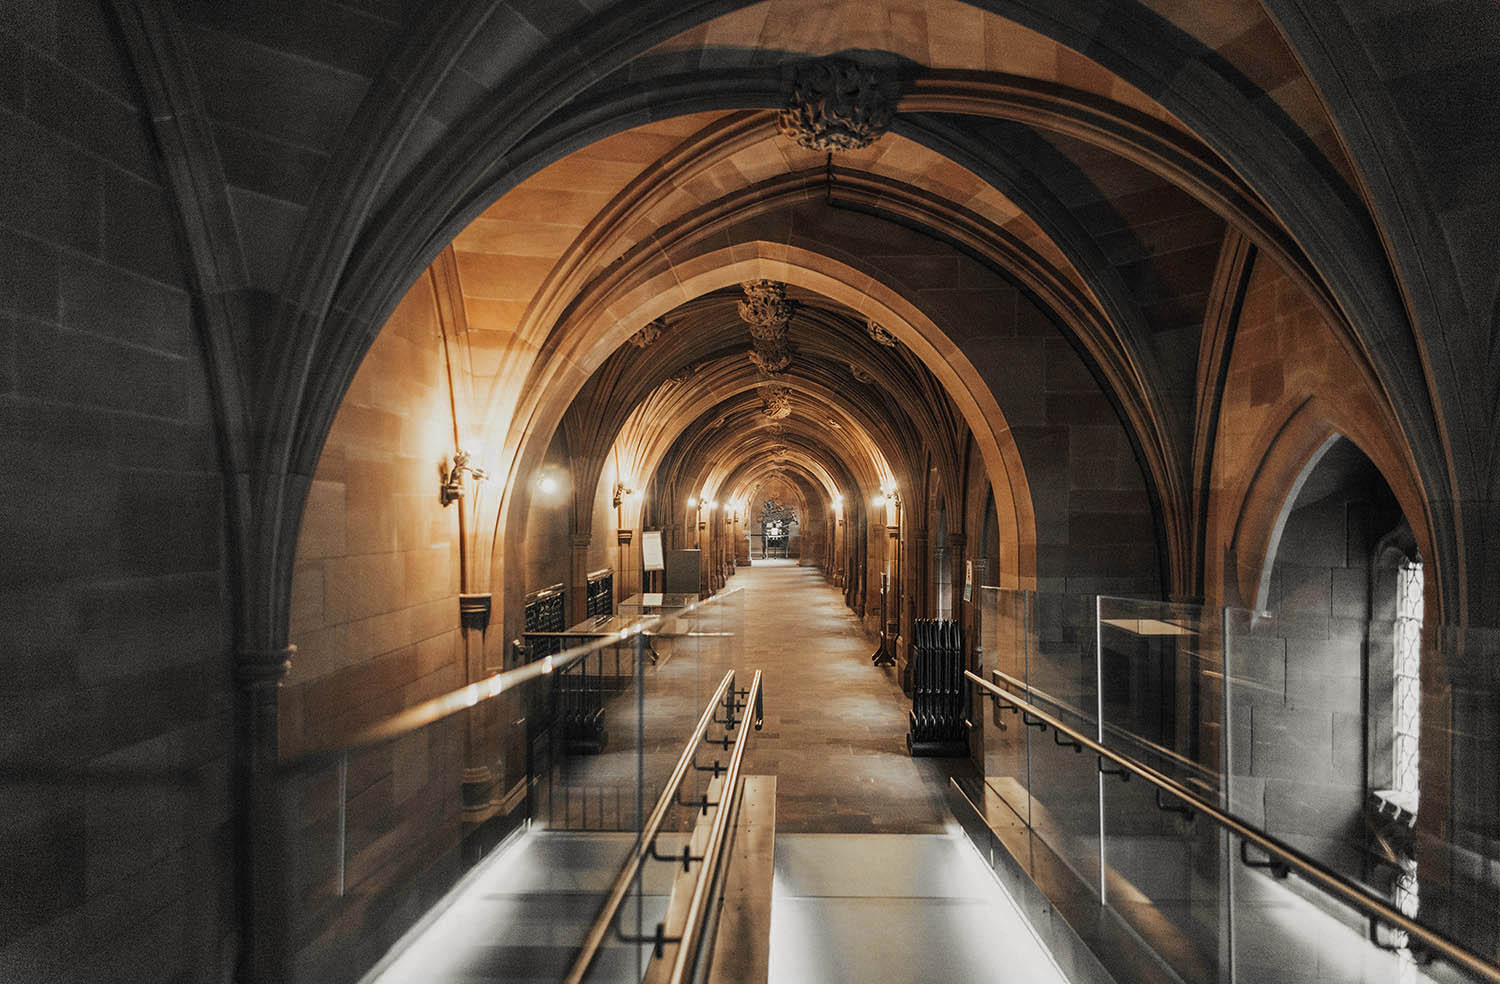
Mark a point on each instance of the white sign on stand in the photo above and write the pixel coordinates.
(651, 554)
(968, 580)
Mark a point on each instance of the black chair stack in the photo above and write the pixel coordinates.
(939, 694)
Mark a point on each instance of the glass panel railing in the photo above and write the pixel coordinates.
(1260, 746)
(1044, 646)
(1063, 675)
(562, 757)
(1004, 617)
(1160, 695)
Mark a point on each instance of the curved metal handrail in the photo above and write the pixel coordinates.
(1329, 881)
(652, 826)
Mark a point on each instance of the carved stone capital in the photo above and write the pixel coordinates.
(776, 402)
(255, 668)
(474, 611)
(880, 334)
(650, 333)
(837, 104)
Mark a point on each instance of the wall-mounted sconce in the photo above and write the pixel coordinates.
(879, 500)
(547, 485)
(452, 489)
(693, 502)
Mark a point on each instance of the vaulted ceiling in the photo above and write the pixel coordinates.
(1008, 146)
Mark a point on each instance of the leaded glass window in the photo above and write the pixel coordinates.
(1408, 691)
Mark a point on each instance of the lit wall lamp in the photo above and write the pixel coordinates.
(452, 488)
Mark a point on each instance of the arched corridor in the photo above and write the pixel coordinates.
(835, 733)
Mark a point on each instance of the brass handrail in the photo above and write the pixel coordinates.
(698, 902)
(1329, 881)
(653, 822)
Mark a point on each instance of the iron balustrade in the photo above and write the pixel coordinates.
(1281, 854)
(599, 593)
(724, 696)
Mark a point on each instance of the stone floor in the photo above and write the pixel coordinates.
(835, 728)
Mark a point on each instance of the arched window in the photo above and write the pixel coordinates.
(1407, 692)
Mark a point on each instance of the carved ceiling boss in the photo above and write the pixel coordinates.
(767, 311)
(837, 104)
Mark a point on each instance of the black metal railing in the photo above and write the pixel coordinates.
(599, 593)
(546, 611)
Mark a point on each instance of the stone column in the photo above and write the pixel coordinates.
(578, 576)
(626, 567)
(481, 746)
(892, 627)
(265, 892)
(956, 542)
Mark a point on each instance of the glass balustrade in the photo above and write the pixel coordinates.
(1367, 747)
(504, 810)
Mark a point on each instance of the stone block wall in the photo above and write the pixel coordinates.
(115, 623)
(1299, 676)
(375, 620)
(374, 595)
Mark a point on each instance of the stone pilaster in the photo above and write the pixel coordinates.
(265, 892)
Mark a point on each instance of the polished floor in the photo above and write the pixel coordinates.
(835, 730)
(896, 909)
